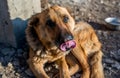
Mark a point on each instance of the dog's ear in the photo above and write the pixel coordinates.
(71, 12)
(69, 9)
(33, 21)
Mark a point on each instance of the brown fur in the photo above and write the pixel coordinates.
(86, 56)
(87, 52)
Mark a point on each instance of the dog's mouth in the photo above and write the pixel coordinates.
(68, 45)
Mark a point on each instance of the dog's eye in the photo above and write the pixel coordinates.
(50, 23)
(65, 19)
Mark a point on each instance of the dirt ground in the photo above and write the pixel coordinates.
(13, 61)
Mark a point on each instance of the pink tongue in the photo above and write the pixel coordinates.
(67, 45)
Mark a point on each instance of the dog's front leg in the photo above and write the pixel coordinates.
(63, 67)
(96, 65)
(82, 58)
(36, 64)
(37, 68)
(73, 63)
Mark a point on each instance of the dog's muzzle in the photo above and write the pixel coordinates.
(68, 45)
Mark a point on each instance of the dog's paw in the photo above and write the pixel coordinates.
(36, 59)
(41, 54)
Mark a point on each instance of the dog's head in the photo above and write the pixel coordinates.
(54, 28)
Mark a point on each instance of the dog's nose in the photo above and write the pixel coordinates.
(69, 37)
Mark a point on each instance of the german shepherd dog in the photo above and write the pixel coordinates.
(53, 36)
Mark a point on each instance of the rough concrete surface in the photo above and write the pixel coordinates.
(6, 29)
(20, 12)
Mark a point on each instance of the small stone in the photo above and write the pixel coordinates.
(7, 59)
(5, 51)
(2, 60)
(116, 65)
(116, 55)
(118, 52)
(105, 34)
(76, 18)
(48, 68)
(77, 75)
(17, 74)
(73, 77)
(56, 66)
(109, 61)
(16, 63)
(108, 68)
(19, 52)
(8, 51)
(1, 69)
(4, 76)
(102, 1)
(28, 72)
(10, 65)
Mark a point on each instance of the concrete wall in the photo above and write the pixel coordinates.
(6, 29)
(17, 12)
